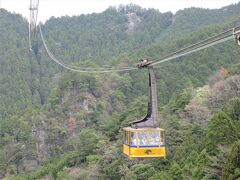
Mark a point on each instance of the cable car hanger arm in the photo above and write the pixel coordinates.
(151, 118)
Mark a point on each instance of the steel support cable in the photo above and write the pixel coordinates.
(218, 41)
(84, 68)
(81, 70)
(191, 46)
(97, 68)
(197, 46)
(194, 50)
(200, 44)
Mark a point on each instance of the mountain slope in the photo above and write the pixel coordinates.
(102, 38)
(52, 118)
(189, 20)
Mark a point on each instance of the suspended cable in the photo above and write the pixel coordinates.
(97, 68)
(198, 46)
(81, 70)
(182, 52)
(192, 51)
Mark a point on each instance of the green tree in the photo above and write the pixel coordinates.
(88, 140)
(175, 171)
(221, 131)
(232, 166)
(143, 171)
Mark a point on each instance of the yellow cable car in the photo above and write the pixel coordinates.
(143, 138)
(144, 142)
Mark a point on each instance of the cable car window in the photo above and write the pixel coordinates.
(125, 137)
(133, 139)
(143, 138)
(154, 138)
(161, 137)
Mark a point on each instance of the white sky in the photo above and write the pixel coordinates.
(57, 8)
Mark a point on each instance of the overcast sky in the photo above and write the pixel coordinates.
(48, 8)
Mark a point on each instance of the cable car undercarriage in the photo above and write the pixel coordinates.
(142, 138)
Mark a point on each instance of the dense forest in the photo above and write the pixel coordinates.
(57, 124)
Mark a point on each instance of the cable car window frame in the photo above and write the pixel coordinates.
(162, 142)
(126, 137)
(159, 134)
(146, 134)
(132, 143)
(153, 140)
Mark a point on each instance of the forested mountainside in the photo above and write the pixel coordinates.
(63, 125)
(116, 37)
(189, 20)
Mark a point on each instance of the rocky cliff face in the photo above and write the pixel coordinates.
(55, 129)
(133, 21)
